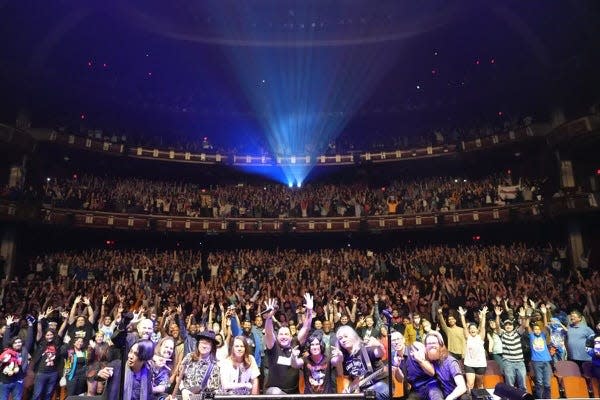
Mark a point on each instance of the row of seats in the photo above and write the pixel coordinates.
(567, 381)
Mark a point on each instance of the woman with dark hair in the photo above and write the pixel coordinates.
(316, 366)
(76, 362)
(199, 371)
(494, 343)
(160, 366)
(98, 360)
(475, 357)
(239, 371)
(138, 377)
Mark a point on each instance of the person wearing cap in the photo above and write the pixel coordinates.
(282, 377)
(199, 371)
(515, 372)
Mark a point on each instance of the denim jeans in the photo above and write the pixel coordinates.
(542, 372)
(381, 390)
(515, 372)
(43, 385)
(14, 388)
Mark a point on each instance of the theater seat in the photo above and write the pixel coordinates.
(301, 382)
(575, 387)
(398, 388)
(595, 388)
(554, 388)
(491, 380)
(340, 383)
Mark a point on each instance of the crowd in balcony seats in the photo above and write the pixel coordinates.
(182, 317)
(366, 139)
(429, 195)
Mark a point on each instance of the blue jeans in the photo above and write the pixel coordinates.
(542, 372)
(15, 388)
(381, 390)
(515, 371)
(43, 385)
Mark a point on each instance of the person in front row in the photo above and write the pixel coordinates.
(362, 363)
(239, 372)
(411, 367)
(282, 377)
(198, 371)
(138, 377)
(316, 366)
(447, 369)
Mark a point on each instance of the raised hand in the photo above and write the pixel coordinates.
(522, 312)
(543, 308)
(483, 311)
(418, 353)
(498, 310)
(86, 301)
(270, 304)
(462, 311)
(309, 302)
(9, 320)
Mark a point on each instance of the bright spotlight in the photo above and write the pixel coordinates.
(290, 184)
(299, 184)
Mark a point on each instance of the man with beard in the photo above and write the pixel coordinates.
(282, 377)
(447, 368)
(412, 369)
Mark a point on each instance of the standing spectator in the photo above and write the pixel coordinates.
(540, 355)
(76, 359)
(455, 335)
(512, 352)
(475, 357)
(45, 361)
(577, 334)
(14, 359)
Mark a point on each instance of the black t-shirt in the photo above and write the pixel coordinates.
(281, 373)
(317, 376)
(48, 357)
(356, 366)
(86, 332)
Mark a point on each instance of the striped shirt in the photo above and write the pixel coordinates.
(512, 350)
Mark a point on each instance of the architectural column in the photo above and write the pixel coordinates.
(8, 251)
(575, 242)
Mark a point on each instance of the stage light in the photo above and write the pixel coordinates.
(299, 184)
(290, 184)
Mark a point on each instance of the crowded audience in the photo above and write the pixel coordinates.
(183, 323)
(131, 195)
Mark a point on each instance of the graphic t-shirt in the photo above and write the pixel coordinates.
(539, 350)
